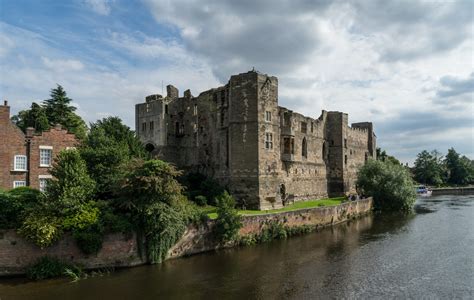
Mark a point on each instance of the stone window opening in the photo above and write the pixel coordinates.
(149, 147)
(325, 151)
(222, 118)
(345, 160)
(303, 127)
(366, 156)
(46, 154)
(332, 142)
(268, 116)
(288, 145)
(286, 119)
(268, 140)
(147, 107)
(19, 163)
(179, 129)
(304, 148)
(43, 182)
(195, 112)
(152, 125)
(345, 143)
(143, 126)
(223, 98)
(166, 108)
(312, 127)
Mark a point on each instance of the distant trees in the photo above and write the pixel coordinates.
(431, 168)
(56, 110)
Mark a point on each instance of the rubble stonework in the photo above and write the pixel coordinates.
(266, 155)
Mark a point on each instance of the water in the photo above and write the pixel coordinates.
(429, 254)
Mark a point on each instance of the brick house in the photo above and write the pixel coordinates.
(25, 159)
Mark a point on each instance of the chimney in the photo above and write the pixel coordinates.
(4, 113)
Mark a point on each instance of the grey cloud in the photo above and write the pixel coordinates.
(454, 86)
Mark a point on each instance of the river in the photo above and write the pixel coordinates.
(428, 254)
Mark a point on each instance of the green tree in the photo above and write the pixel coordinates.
(60, 111)
(228, 221)
(34, 117)
(383, 156)
(429, 168)
(389, 184)
(109, 146)
(460, 169)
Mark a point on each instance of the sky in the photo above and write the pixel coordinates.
(405, 65)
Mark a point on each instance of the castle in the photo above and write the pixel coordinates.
(266, 155)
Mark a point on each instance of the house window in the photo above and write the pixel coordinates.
(268, 116)
(304, 148)
(268, 140)
(19, 183)
(20, 163)
(45, 157)
(43, 182)
(303, 127)
(152, 125)
(143, 127)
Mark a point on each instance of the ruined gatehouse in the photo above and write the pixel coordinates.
(266, 155)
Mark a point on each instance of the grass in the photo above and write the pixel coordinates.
(295, 206)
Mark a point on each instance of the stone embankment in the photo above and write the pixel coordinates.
(120, 250)
(454, 191)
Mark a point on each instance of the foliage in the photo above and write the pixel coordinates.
(109, 146)
(34, 117)
(460, 168)
(47, 267)
(85, 216)
(390, 185)
(200, 200)
(429, 168)
(228, 221)
(89, 239)
(41, 228)
(274, 230)
(71, 186)
(198, 184)
(151, 193)
(56, 110)
(13, 205)
(383, 156)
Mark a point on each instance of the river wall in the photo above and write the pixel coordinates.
(453, 191)
(122, 250)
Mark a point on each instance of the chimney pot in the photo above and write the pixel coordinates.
(5, 102)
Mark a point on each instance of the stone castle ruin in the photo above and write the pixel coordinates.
(264, 154)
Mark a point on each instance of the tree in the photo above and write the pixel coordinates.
(389, 184)
(383, 156)
(228, 221)
(460, 169)
(34, 117)
(429, 168)
(109, 146)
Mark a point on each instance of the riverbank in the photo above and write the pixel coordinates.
(119, 250)
(453, 191)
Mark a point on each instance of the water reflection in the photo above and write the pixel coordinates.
(426, 254)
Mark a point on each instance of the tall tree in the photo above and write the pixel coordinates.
(383, 156)
(459, 168)
(34, 117)
(429, 168)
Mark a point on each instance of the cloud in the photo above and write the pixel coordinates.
(101, 7)
(62, 65)
(454, 86)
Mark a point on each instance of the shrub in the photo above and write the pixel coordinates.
(43, 230)
(89, 240)
(228, 222)
(85, 216)
(13, 205)
(390, 185)
(47, 267)
(200, 200)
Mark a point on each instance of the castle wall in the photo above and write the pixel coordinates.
(264, 154)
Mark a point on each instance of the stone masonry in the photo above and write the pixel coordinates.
(264, 154)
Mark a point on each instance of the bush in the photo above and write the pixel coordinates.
(14, 204)
(228, 222)
(89, 240)
(85, 216)
(200, 200)
(47, 267)
(198, 184)
(389, 184)
(43, 230)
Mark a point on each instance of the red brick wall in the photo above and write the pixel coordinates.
(16, 253)
(12, 142)
(56, 137)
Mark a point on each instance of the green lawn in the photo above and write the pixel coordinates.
(295, 206)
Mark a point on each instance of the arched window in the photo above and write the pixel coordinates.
(304, 148)
(149, 147)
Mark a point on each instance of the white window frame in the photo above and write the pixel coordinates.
(19, 183)
(268, 140)
(43, 178)
(268, 116)
(50, 148)
(15, 168)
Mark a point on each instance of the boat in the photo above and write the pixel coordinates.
(423, 191)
